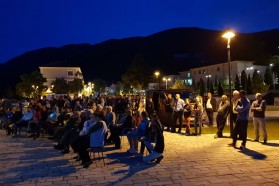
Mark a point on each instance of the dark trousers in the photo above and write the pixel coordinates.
(240, 129)
(209, 113)
(81, 147)
(177, 115)
(168, 119)
(221, 121)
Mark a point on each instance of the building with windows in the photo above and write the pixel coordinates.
(68, 73)
(220, 72)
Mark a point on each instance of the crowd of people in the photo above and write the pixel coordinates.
(177, 110)
(82, 123)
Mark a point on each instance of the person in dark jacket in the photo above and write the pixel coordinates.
(154, 134)
(222, 114)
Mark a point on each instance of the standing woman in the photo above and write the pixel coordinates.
(187, 113)
(198, 110)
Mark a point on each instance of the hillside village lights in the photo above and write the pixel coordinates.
(228, 35)
(166, 80)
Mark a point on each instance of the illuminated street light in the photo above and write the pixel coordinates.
(207, 82)
(166, 80)
(273, 76)
(157, 77)
(228, 35)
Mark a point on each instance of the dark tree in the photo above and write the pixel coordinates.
(194, 87)
(76, 86)
(243, 80)
(211, 88)
(237, 83)
(220, 89)
(268, 79)
(249, 85)
(31, 84)
(202, 87)
(60, 86)
(216, 81)
(208, 85)
(137, 74)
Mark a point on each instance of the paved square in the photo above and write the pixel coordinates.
(189, 160)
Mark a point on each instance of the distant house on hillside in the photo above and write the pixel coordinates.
(68, 73)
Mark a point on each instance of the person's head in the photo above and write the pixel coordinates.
(154, 117)
(236, 94)
(77, 113)
(209, 95)
(199, 99)
(144, 115)
(99, 108)
(99, 115)
(224, 98)
(259, 96)
(177, 96)
(169, 96)
(109, 109)
(242, 94)
(187, 100)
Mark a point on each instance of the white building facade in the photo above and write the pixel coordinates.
(68, 73)
(220, 72)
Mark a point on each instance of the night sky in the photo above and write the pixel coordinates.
(32, 24)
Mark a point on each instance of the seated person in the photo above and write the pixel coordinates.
(42, 122)
(125, 126)
(134, 135)
(154, 134)
(24, 120)
(97, 135)
(68, 132)
(83, 137)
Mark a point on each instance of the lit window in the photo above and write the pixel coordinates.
(70, 73)
(189, 74)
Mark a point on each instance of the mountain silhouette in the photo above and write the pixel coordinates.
(170, 51)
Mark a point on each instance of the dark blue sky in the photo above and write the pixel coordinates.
(31, 24)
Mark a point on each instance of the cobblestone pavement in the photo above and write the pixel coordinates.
(189, 160)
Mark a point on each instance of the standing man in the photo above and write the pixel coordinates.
(169, 104)
(210, 107)
(242, 107)
(222, 114)
(177, 113)
(258, 107)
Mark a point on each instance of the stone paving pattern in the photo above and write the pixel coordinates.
(189, 160)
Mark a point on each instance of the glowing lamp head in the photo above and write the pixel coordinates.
(228, 35)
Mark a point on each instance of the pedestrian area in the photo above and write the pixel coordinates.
(189, 160)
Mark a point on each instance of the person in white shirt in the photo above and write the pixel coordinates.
(177, 113)
(210, 107)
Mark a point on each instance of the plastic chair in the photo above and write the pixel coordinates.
(97, 146)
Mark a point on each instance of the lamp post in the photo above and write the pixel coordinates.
(157, 76)
(166, 80)
(273, 76)
(228, 35)
(207, 82)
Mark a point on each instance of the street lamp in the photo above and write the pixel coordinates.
(157, 75)
(166, 80)
(273, 76)
(228, 35)
(207, 82)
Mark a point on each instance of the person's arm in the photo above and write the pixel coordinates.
(245, 106)
(95, 127)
